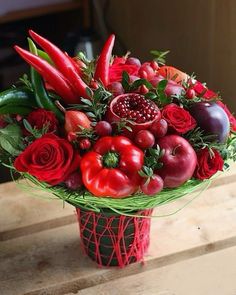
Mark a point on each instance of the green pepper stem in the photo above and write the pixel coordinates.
(111, 160)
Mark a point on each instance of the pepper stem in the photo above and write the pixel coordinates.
(111, 160)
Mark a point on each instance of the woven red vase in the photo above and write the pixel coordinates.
(114, 240)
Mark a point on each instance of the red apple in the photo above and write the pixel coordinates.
(179, 160)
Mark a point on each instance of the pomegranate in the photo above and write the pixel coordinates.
(134, 107)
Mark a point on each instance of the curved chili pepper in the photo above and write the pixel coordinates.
(41, 95)
(63, 63)
(51, 74)
(103, 62)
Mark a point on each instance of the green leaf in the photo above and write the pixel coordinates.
(136, 84)
(11, 139)
(164, 100)
(125, 81)
(160, 56)
(87, 101)
(89, 92)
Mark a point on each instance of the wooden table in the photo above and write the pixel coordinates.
(192, 252)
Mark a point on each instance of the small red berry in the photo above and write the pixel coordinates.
(133, 61)
(143, 74)
(71, 136)
(74, 181)
(84, 144)
(144, 139)
(154, 65)
(143, 89)
(103, 128)
(159, 128)
(94, 85)
(190, 93)
(152, 186)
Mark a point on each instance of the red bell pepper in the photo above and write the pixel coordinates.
(111, 168)
(50, 74)
(103, 62)
(63, 63)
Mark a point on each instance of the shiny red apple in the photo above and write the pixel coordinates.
(179, 160)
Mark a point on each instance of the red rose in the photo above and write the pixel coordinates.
(118, 67)
(49, 158)
(208, 164)
(202, 91)
(41, 117)
(178, 118)
(231, 117)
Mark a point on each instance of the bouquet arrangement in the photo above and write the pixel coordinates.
(113, 137)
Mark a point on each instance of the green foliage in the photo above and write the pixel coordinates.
(36, 133)
(160, 56)
(11, 140)
(95, 107)
(25, 81)
(158, 95)
(123, 124)
(130, 87)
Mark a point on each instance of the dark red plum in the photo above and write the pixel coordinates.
(212, 119)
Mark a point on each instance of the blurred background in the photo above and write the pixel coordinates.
(201, 35)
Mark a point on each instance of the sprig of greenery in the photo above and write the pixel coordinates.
(89, 68)
(130, 87)
(96, 106)
(158, 94)
(160, 56)
(199, 140)
(123, 124)
(151, 162)
(25, 81)
(36, 133)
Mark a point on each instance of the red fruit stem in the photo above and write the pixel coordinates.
(103, 62)
(50, 74)
(63, 63)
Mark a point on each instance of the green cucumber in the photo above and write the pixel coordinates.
(17, 96)
(15, 110)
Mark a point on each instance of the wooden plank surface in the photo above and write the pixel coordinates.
(213, 274)
(40, 251)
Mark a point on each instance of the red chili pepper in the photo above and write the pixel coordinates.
(50, 74)
(111, 168)
(103, 62)
(64, 64)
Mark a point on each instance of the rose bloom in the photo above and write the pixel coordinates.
(208, 164)
(178, 118)
(231, 117)
(203, 91)
(118, 67)
(49, 158)
(41, 117)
